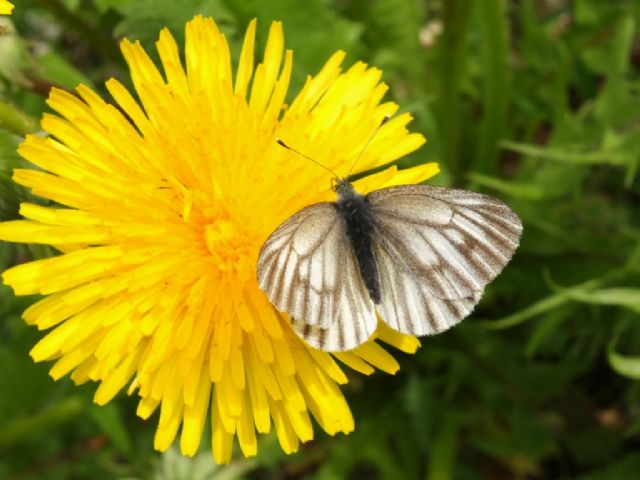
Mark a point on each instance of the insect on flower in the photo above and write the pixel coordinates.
(420, 255)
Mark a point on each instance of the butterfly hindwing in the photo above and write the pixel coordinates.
(307, 269)
(450, 242)
(356, 319)
(408, 305)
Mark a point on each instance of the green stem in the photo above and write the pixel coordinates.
(15, 120)
(493, 19)
(452, 53)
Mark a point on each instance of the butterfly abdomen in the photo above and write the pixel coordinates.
(358, 223)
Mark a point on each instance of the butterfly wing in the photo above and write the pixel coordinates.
(408, 305)
(307, 269)
(355, 321)
(436, 250)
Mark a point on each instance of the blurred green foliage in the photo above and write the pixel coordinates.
(537, 102)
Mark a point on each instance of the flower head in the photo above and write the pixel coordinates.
(5, 7)
(162, 207)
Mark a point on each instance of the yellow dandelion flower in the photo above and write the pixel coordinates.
(162, 207)
(5, 7)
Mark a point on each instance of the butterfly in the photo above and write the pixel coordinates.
(418, 255)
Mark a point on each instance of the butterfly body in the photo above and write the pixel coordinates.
(359, 225)
(419, 256)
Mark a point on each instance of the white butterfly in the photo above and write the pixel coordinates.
(418, 255)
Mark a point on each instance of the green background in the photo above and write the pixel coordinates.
(536, 102)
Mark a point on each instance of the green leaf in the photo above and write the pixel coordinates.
(57, 69)
(14, 120)
(452, 73)
(143, 19)
(391, 27)
(443, 451)
(620, 297)
(556, 154)
(624, 365)
(493, 16)
(517, 190)
(314, 32)
(545, 305)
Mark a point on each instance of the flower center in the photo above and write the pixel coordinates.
(229, 247)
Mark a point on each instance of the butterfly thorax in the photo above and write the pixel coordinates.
(359, 226)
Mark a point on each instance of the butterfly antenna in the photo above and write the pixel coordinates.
(384, 120)
(282, 144)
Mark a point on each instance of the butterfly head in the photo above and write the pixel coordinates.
(342, 187)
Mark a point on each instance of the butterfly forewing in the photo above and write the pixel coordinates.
(307, 269)
(297, 266)
(452, 242)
